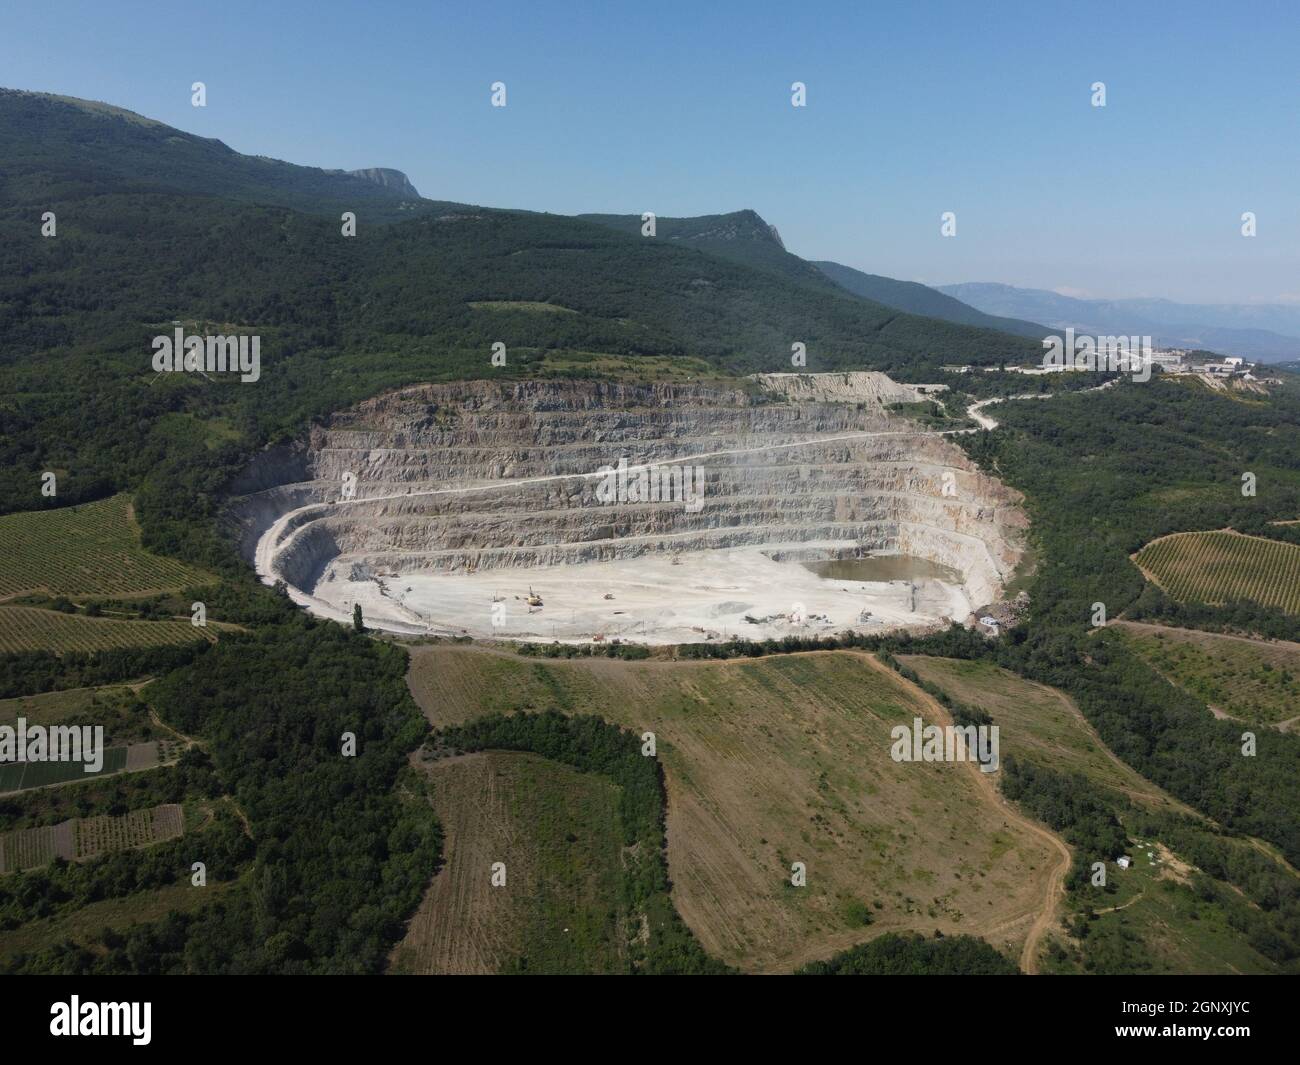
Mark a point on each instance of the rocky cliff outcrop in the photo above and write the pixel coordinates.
(389, 179)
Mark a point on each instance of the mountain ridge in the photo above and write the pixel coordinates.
(916, 298)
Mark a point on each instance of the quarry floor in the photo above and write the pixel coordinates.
(707, 595)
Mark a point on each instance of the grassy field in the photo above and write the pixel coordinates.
(87, 550)
(558, 833)
(1155, 922)
(1039, 723)
(782, 760)
(25, 628)
(88, 837)
(1216, 567)
(1256, 681)
(117, 707)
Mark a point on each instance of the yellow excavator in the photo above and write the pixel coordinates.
(533, 598)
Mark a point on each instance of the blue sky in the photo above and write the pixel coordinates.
(684, 108)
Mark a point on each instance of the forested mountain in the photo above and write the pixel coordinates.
(742, 236)
(59, 148)
(921, 299)
(156, 227)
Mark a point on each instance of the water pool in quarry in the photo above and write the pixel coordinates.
(477, 509)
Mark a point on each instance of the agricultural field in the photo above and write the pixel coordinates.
(131, 739)
(558, 832)
(19, 776)
(138, 828)
(87, 550)
(124, 717)
(1155, 922)
(87, 837)
(786, 759)
(1218, 567)
(1256, 681)
(25, 628)
(1040, 724)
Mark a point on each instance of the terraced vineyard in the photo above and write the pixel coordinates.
(1217, 567)
(88, 837)
(33, 629)
(99, 835)
(92, 549)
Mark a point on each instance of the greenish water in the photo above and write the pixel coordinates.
(883, 568)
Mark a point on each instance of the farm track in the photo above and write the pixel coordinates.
(1048, 916)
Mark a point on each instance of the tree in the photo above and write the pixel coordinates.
(357, 622)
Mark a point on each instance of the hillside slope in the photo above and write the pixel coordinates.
(921, 299)
(60, 149)
(158, 229)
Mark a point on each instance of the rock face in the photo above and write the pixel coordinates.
(470, 477)
(389, 179)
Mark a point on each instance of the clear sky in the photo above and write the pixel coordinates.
(684, 108)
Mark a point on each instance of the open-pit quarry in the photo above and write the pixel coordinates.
(654, 513)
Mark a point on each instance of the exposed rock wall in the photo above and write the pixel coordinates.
(479, 475)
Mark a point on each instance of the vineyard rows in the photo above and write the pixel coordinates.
(91, 549)
(1215, 567)
(25, 628)
(88, 837)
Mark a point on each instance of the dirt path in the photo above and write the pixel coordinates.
(974, 411)
(1048, 916)
(1150, 627)
(1125, 906)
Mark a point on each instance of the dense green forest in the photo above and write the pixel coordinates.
(913, 955)
(341, 847)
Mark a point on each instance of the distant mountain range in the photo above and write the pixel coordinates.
(1265, 332)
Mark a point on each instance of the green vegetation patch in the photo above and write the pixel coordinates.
(91, 549)
(1251, 680)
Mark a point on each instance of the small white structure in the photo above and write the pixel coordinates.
(1124, 861)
